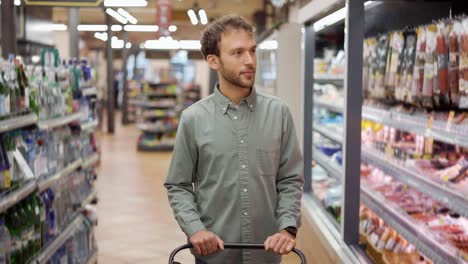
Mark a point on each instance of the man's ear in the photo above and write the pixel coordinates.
(212, 61)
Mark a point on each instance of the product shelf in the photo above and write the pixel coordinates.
(154, 94)
(328, 133)
(336, 80)
(59, 121)
(417, 179)
(334, 169)
(418, 123)
(44, 184)
(17, 122)
(14, 197)
(90, 125)
(91, 197)
(328, 105)
(411, 230)
(148, 127)
(89, 91)
(161, 147)
(58, 241)
(90, 161)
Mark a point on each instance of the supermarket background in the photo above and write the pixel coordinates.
(91, 92)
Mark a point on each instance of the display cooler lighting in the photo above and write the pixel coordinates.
(334, 18)
(127, 16)
(125, 3)
(192, 16)
(141, 28)
(111, 12)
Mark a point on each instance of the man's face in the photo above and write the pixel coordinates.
(237, 58)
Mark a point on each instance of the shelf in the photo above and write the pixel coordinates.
(91, 197)
(90, 125)
(328, 105)
(417, 123)
(44, 184)
(59, 121)
(151, 104)
(328, 133)
(150, 128)
(415, 178)
(17, 122)
(151, 115)
(14, 197)
(334, 169)
(90, 161)
(409, 229)
(337, 80)
(90, 91)
(160, 95)
(58, 241)
(93, 259)
(155, 148)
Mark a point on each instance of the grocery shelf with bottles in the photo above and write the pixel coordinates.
(410, 148)
(48, 154)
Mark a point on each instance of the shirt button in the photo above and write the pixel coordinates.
(245, 213)
(224, 108)
(251, 106)
(244, 190)
(242, 141)
(243, 166)
(235, 117)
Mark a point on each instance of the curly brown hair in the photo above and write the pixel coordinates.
(211, 35)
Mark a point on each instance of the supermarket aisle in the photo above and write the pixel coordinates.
(135, 221)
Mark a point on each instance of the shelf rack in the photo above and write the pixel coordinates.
(59, 121)
(18, 122)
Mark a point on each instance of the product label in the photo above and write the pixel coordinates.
(390, 244)
(450, 120)
(464, 102)
(373, 238)
(463, 61)
(23, 165)
(429, 71)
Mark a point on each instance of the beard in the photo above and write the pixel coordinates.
(236, 78)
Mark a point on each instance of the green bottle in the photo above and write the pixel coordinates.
(37, 223)
(28, 206)
(12, 222)
(25, 253)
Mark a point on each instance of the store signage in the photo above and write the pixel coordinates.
(163, 17)
(69, 3)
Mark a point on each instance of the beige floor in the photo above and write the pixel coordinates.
(135, 221)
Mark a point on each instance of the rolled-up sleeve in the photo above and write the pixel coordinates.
(290, 178)
(180, 178)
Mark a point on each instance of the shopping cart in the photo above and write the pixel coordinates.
(233, 246)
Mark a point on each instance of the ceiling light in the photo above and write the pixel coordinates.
(128, 45)
(111, 12)
(141, 28)
(203, 17)
(334, 18)
(116, 28)
(142, 45)
(190, 44)
(17, 2)
(117, 44)
(268, 45)
(127, 16)
(58, 27)
(172, 28)
(126, 3)
(163, 44)
(92, 27)
(192, 16)
(35, 59)
(101, 36)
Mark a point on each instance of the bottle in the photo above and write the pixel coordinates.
(24, 231)
(12, 222)
(29, 225)
(6, 180)
(5, 243)
(2, 96)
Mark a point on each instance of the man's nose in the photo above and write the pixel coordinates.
(249, 59)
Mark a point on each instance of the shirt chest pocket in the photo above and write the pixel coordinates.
(268, 161)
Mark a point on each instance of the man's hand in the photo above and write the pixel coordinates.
(280, 243)
(205, 242)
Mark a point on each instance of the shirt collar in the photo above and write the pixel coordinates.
(223, 101)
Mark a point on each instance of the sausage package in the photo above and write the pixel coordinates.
(454, 61)
(463, 68)
(407, 67)
(372, 67)
(395, 56)
(418, 73)
(382, 50)
(430, 67)
(441, 87)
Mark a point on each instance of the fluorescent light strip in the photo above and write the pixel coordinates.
(101, 36)
(169, 44)
(192, 16)
(92, 27)
(127, 16)
(59, 27)
(190, 44)
(128, 45)
(116, 28)
(141, 28)
(334, 18)
(125, 3)
(268, 45)
(111, 12)
(172, 28)
(17, 2)
(203, 17)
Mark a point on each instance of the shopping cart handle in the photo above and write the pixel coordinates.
(235, 246)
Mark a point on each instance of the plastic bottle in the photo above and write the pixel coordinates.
(5, 243)
(13, 223)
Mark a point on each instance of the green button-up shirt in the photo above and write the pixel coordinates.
(236, 171)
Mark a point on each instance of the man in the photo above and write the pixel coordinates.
(236, 170)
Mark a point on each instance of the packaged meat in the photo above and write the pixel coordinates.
(382, 50)
(408, 67)
(395, 56)
(372, 67)
(463, 81)
(418, 74)
(441, 88)
(454, 61)
(430, 67)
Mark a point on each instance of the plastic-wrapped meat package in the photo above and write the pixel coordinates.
(418, 74)
(397, 43)
(454, 59)
(430, 67)
(372, 66)
(463, 83)
(408, 66)
(441, 88)
(382, 50)
(369, 49)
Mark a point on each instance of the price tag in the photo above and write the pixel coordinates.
(389, 152)
(430, 121)
(450, 120)
(23, 165)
